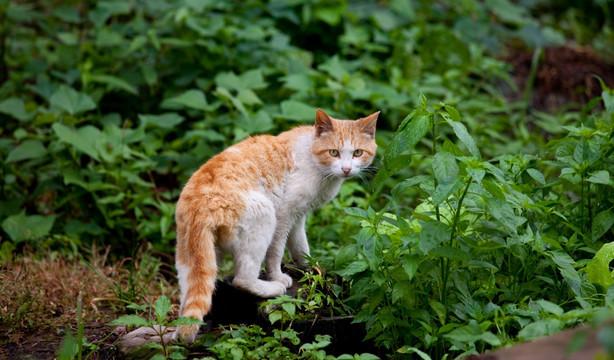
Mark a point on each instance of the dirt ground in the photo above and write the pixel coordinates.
(566, 76)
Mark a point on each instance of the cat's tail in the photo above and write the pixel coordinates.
(197, 270)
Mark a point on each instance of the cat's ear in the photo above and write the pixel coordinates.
(323, 122)
(367, 124)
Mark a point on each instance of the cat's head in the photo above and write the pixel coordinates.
(344, 147)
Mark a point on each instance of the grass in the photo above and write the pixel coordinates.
(39, 295)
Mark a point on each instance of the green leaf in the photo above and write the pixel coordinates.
(16, 108)
(444, 166)
(69, 349)
(540, 328)
(417, 126)
(408, 183)
(275, 316)
(502, 211)
(259, 123)
(21, 227)
(600, 177)
(565, 264)
(410, 265)
(130, 320)
(537, 176)
(454, 114)
(289, 308)
(71, 101)
(334, 68)
(469, 333)
(29, 149)
(248, 97)
(493, 189)
(166, 121)
(84, 138)
(115, 7)
(114, 82)
(353, 268)
(446, 188)
(298, 82)
(331, 13)
(550, 307)
(601, 224)
(391, 167)
(252, 79)
(412, 350)
(598, 269)
(193, 98)
(439, 309)
(298, 111)
(68, 14)
(161, 308)
(461, 132)
(432, 234)
(149, 74)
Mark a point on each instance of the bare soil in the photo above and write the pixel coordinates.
(566, 76)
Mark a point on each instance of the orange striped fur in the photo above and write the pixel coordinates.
(251, 200)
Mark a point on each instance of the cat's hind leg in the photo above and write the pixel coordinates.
(253, 236)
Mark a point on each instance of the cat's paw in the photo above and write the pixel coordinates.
(264, 289)
(279, 288)
(283, 278)
(187, 333)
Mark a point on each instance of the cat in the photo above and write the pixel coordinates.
(251, 200)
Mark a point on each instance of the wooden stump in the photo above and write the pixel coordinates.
(552, 347)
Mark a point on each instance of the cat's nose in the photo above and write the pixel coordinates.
(346, 170)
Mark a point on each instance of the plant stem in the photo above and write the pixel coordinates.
(458, 211)
(445, 264)
(437, 215)
(80, 324)
(590, 212)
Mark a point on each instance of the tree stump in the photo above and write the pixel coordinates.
(552, 347)
(229, 306)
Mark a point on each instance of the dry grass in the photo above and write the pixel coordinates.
(38, 294)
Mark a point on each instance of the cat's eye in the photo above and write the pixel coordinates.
(333, 152)
(357, 152)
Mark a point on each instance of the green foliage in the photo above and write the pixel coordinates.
(252, 342)
(108, 108)
(490, 228)
(482, 261)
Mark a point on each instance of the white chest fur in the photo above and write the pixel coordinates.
(307, 185)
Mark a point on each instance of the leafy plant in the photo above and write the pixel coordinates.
(71, 347)
(456, 274)
(252, 342)
(160, 324)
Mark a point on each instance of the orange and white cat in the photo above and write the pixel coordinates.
(251, 200)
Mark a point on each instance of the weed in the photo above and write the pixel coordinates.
(160, 324)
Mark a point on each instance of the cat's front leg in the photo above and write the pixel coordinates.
(297, 242)
(275, 253)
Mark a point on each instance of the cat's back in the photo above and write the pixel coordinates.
(258, 161)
